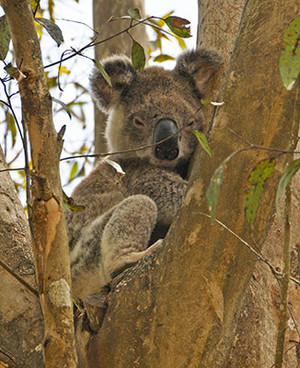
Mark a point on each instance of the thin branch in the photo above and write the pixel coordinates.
(19, 278)
(276, 273)
(78, 22)
(254, 146)
(286, 351)
(12, 169)
(12, 109)
(94, 43)
(124, 151)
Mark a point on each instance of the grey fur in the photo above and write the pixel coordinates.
(124, 217)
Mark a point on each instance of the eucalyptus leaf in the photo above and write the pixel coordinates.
(73, 172)
(53, 30)
(289, 63)
(203, 141)
(103, 72)
(63, 105)
(179, 26)
(134, 13)
(70, 205)
(285, 179)
(163, 57)
(138, 57)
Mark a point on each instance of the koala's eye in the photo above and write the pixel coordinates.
(138, 123)
(191, 124)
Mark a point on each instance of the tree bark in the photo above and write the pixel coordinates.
(21, 319)
(218, 28)
(218, 24)
(102, 11)
(184, 307)
(50, 242)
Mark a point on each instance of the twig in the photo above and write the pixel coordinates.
(276, 273)
(94, 43)
(254, 146)
(19, 278)
(287, 350)
(78, 22)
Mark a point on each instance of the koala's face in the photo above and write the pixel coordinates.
(152, 114)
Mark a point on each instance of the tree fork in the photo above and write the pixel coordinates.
(50, 241)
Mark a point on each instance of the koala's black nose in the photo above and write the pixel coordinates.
(168, 149)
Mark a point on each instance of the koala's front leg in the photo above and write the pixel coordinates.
(127, 233)
(164, 187)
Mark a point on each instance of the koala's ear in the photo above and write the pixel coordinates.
(198, 66)
(121, 72)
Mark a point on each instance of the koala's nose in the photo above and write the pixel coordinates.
(168, 149)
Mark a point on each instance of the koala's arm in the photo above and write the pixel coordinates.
(165, 188)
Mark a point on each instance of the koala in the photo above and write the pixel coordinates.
(151, 118)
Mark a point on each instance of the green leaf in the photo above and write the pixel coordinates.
(11, 127)
(70, 205)
(203, 141)
(286, 177)
(11, 70)
(134, 13)
(4, 37)
(256, 180)
(178, 26)
(51, 10)
(212, 193)
(163, 57)
(34, 4)
(181, 43)
(73, 171)
(289, 63)
(138, 56)
(53, 30)
(103, 72)
(63, 105)
(161, 21)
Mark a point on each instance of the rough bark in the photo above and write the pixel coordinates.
(184, 307)
(102, 11)
(50, 243)
(217, 28)
(218, 23)
(21, 319)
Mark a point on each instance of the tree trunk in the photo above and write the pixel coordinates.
(102, 11)
(50, 241)
(184, 307)
(218, 25)
(21, 319)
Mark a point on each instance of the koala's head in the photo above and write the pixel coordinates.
(145, 108)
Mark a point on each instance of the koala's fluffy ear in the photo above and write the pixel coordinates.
(198, 66)
(121, 72)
